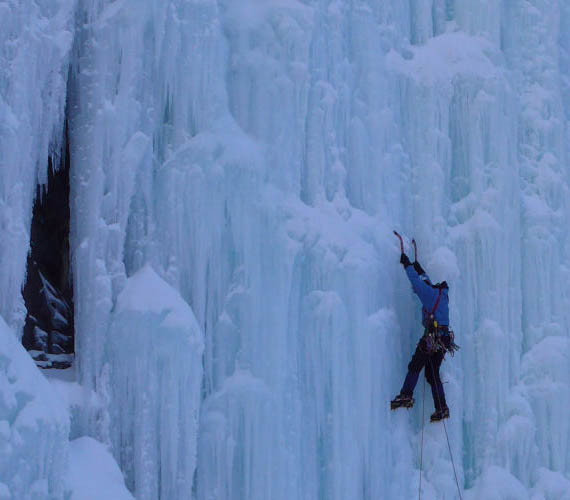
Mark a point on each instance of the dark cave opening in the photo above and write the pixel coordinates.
(48, 291)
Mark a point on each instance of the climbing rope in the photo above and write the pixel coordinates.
(446, 435)
(452, 463)
(422, 446)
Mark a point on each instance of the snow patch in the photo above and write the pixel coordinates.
(445, 56)
(93, 473)
(34, 425)
(495, 483)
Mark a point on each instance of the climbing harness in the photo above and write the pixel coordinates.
(439, 338)
(433, 338)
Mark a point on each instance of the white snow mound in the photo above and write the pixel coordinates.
(34, 426)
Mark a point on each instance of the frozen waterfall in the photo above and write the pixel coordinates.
(241, 319)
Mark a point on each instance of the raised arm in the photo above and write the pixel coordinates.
(420, 270)
(422, 289)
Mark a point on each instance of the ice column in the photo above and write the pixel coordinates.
(537, 44)
(154, 349)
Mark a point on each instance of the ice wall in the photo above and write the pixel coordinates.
(258, 154)
(428, 116)
(35, 43)
(36, 39)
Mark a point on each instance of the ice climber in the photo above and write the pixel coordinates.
(437, 339)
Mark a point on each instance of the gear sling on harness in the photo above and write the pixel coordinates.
(432, 339)
(438, 338)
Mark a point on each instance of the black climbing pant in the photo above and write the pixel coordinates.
(430, 362)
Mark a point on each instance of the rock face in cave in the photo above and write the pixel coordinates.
(48, 292)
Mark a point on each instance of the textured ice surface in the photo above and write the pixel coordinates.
(154, 348)
(34, 425)
(258, 155)
(35, 40)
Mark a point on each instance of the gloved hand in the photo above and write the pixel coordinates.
(419, 269)
(404, 260)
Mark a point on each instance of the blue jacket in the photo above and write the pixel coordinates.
(422, 287)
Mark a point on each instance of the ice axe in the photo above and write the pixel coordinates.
(401, 241)
(402, 245)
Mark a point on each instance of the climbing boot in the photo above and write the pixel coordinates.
(402, 401)
(438, 415)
